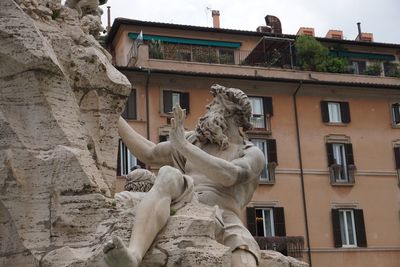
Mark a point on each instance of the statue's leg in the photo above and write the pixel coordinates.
(152, 214)
(243, 258)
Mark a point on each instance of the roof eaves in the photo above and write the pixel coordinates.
(260, 78)
(119, 21)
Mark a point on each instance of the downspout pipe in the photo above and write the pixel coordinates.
(301, 170)
(147, 104)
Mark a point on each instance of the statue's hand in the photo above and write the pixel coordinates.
(177, 133)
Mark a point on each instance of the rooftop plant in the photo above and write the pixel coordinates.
(312, 55)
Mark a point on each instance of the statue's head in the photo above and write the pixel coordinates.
(139, 180)
(227, 103)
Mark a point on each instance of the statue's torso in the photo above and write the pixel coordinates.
(212, 193)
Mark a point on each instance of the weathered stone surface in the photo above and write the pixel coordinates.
(271, 258)
(185, 239)
(59, 103)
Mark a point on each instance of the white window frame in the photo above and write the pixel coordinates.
(257, 119)
(339, 154)
(176, 98)
(258, 143)
(344, 231)
(334, 112)
(271, 220)
(127, 159)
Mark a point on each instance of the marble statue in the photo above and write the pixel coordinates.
(215, 165)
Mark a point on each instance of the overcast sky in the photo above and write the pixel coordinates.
(382, 18)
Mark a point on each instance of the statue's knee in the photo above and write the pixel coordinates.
(169, 181)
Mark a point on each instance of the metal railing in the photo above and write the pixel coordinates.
(273, 58)
(287, 245)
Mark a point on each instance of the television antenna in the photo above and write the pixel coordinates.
(207, 10)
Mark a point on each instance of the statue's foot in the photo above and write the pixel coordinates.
(116, 254)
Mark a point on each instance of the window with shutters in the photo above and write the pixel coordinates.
(396, 114)
(268, 147)
(126, 160)
(335, 112)
(266, 221)
(171, 98)
(261, 109)
(341, 163)
(130, 107)
(348, 228)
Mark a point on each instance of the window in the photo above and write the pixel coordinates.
(261, 109)
(396, 114)
(268, 147)
(171, 98)
(163, 137)
(130, 108)
(341, 163)
(335, 112)
(126, 160)
(266, 221)
(358, 67)
(348, 228)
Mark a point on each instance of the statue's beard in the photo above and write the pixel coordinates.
(211, 129)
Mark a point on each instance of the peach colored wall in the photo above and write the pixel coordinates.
(375, 191)
(372, 258)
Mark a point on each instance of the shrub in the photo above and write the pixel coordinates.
(155, 49)
(373, 70)
(310, 53)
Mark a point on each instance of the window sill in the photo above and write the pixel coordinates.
(342, 184)
(349, 246)
(259, 131)
(340, 124)
(260, 182)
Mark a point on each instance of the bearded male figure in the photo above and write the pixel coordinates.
(214, 165)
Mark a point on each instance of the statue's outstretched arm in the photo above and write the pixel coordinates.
(145, 150)
(220, 170)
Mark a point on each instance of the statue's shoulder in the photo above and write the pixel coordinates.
(247, 147)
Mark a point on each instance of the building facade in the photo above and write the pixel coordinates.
(329, 193)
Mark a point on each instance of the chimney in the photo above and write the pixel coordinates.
(306, 31)
(359, 29)
(215, 16)
(108, 18)
(274, 23)
(334, 34)
(364, 36)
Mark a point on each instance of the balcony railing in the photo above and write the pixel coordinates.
(269, 58)
(287, 245)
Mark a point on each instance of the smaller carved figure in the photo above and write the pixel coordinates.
(86, 6)
(139, 180)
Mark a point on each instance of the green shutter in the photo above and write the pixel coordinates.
(167, 101)
(360, 228)
(279, 222)
(251, 220)
(324, 111)
(337, 237)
